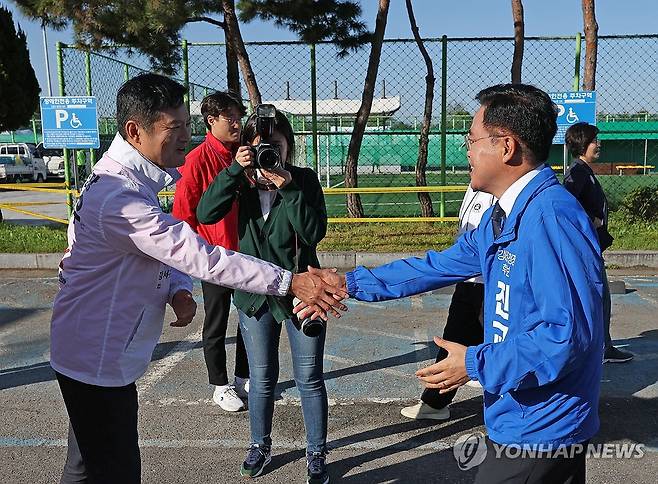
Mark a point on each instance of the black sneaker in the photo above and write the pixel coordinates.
(257, 458)
(317, 468)
(614, 355)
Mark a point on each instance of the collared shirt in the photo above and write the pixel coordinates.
(125, 261)
(508, 198)
(266, 198)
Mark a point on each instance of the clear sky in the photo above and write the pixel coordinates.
(463, 18)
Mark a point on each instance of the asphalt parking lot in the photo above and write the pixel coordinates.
(371, 355)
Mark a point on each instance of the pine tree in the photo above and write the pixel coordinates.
(19, 88)
(152, 27)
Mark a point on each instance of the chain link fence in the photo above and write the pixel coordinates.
(627, 96)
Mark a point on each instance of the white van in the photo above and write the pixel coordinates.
(54, 160)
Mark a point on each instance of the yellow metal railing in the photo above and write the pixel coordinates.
(60, 189)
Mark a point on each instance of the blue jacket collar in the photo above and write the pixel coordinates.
(543, 180)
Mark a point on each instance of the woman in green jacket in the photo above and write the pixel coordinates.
(282, 217)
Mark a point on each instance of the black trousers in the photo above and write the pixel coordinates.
(217, 304)
(464, 326)
(567, 467)
(102, 442)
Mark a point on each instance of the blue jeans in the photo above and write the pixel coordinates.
(261, 336)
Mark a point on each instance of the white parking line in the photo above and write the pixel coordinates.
(281, 444)
(375, 332)
(285, 401)
(159, 370)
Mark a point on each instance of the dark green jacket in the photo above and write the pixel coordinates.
(297, 219)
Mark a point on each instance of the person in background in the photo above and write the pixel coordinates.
(464, 324)
(282, 217)
(583, 144)
(126, 260)
(222, 114)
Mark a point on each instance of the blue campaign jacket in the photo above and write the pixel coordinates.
(540, 363)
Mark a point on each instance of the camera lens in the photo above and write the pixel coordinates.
(312, 327)
(268, 158)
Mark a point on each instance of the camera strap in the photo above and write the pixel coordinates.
(296, 258)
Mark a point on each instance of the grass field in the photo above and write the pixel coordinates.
(364, 237)
(406, 204)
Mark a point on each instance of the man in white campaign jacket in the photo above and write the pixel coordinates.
(125, 261)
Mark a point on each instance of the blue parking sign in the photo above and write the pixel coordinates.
(69, 122)
(573, 107)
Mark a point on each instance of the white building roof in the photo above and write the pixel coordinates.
(325, 107)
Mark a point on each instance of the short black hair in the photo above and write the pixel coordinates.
(281, 124)
(144, 97)
(578, 137)
(218, 103)
(524, 111)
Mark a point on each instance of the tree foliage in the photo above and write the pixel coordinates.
(312, 20)
(151, 27)
(19, 88)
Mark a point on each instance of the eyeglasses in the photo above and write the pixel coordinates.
(468, 142)
(231, 121)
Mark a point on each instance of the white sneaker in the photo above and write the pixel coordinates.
(422, 411)
(242, 387)
(473, 384)
(228, 399)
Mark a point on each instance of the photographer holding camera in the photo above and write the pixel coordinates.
(282, 217)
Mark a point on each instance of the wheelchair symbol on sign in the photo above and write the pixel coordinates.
(572, 117)
(75, 122)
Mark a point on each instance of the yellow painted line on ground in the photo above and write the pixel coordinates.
(33, 214)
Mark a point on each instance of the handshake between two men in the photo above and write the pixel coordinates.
(321, 292)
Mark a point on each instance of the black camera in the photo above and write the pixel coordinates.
(267, 155)
(310, 327)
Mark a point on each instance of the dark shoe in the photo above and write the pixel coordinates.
(316, 464)
(614, 355)
(257, 458)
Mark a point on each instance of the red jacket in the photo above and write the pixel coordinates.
(202, 165)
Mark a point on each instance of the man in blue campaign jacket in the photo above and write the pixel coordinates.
(540, 364)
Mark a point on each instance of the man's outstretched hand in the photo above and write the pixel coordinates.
(321, 291)
(449, 373)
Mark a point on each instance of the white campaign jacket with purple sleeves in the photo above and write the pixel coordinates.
(126, 259)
